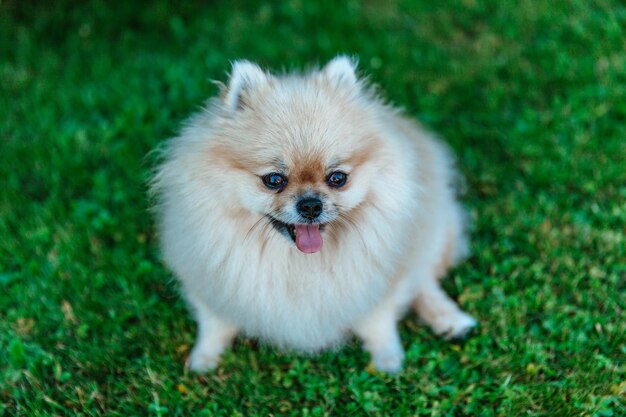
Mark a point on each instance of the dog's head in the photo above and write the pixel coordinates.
(301, 151)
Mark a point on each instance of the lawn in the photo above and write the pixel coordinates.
(530, 94)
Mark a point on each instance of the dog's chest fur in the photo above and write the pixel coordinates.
(295, 300)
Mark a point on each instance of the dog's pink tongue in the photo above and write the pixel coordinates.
(308, 238)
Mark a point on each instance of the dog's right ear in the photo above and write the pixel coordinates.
(244, 77)
(341, 70)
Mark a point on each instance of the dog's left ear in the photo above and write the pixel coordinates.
(244, 77)
(341, 70)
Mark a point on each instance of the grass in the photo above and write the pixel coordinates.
(530, 94)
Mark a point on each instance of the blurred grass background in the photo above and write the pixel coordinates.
(530, 94)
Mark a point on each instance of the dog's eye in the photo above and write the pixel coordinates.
(274, 181)
(337, 179)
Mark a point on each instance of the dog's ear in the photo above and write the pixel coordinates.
(341, 70)
(244, 77)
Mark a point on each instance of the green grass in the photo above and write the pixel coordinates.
(530, 94)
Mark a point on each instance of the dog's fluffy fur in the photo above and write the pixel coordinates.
(388, 234)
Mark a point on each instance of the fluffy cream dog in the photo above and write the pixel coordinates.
(300, 209)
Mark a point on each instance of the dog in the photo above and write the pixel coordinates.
(301, 209)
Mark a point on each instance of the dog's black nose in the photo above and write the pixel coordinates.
(309, 208)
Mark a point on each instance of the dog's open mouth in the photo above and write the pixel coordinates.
(306, 236)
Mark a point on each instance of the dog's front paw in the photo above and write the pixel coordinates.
(388, 360)
(454, 325)
(202, 360)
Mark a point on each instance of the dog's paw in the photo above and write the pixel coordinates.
(202, 360)
(389, 360)
(454, 325)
